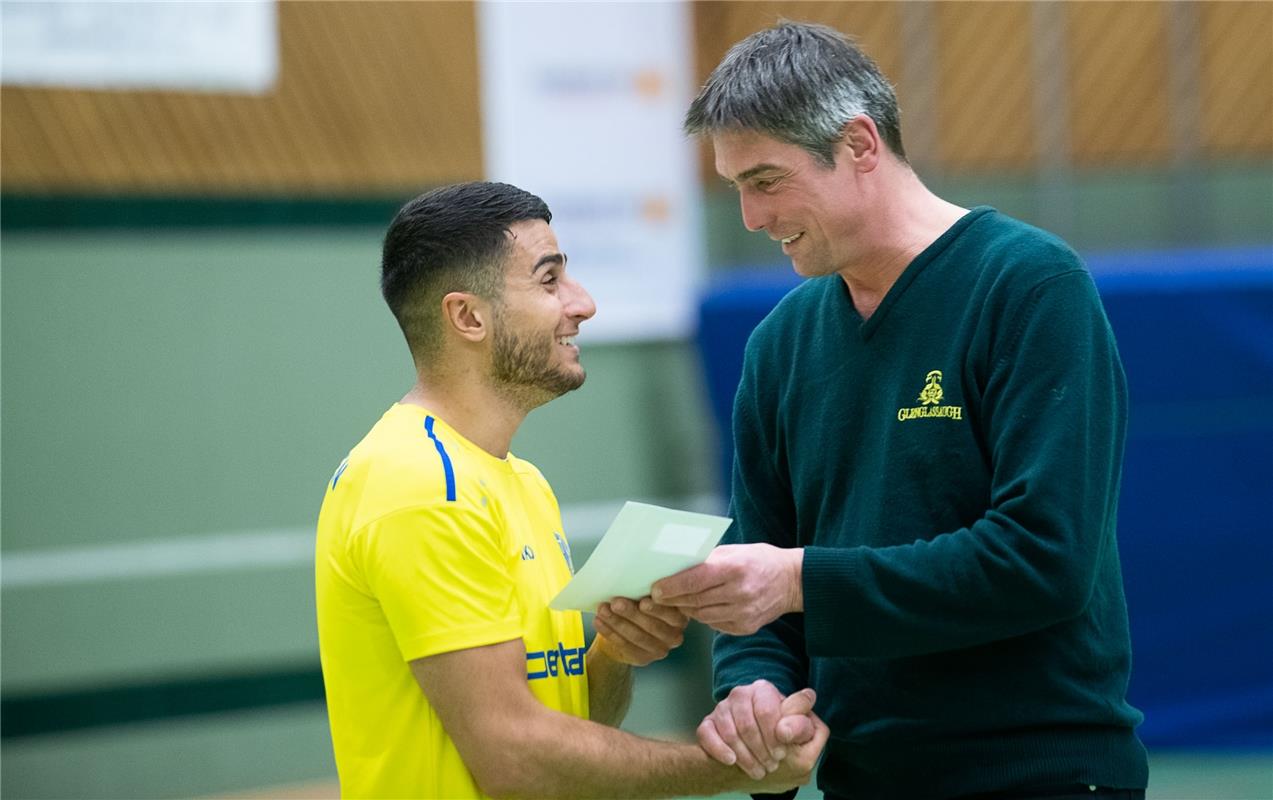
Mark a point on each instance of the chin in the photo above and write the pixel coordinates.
(574, 378)
(803, 270)
(563, 381)
(806, 269)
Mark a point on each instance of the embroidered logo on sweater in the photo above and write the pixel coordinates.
(929, 399)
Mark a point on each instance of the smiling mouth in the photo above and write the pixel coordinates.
(568, 341)
(791, 238)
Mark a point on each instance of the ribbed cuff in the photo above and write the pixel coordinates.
(828, 573)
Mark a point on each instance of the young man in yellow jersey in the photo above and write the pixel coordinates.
(446, 673)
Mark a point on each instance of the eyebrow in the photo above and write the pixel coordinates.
(552, 259)
(753, 172)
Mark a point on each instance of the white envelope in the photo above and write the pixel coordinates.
(643, 544)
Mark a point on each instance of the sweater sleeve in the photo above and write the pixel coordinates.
(763, 511)
(1054, 416)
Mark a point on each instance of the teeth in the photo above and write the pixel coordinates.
(792, 238)
(566, 340)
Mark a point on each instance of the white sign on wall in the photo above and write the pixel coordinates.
(196, 45)
(582, 105)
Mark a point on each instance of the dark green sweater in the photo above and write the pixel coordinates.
(951, 466)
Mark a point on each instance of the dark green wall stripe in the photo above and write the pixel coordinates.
(44, 212)
(60, 712)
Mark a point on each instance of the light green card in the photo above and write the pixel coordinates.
(643, 544)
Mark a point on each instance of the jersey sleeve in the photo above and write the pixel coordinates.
(442, 579)
(1055, 414)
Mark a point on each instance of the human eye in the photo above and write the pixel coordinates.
(765, 184)
(550, 280)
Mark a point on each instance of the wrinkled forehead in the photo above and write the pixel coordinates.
(742, 153)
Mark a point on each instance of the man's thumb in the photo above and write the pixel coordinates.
(796, 730)
(800, 702)
(796, 727)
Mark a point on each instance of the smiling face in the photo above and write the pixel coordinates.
(534, 357)
(812, 209)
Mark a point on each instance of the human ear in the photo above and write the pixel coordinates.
(466, 315)
(861, 142)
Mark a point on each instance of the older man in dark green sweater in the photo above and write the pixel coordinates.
(929, 437)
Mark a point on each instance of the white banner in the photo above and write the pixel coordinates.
(582, 105)
(225, 46)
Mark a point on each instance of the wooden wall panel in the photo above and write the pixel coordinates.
(1119, 83)
(985, 90)
(1237, 78)
(875, 26)
(382, 97)
(371, 97)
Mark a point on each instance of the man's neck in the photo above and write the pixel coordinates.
(477, 412)
(912, 220)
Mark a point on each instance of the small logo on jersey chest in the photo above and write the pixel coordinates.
(929, 400)
(528, 553)
(565, 550)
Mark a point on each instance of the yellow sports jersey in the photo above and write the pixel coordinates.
(428, 544)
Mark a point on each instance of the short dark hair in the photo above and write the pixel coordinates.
(799, 83)
(451, 239)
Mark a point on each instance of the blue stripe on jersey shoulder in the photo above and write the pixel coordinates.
(446, 459)
(340, 471)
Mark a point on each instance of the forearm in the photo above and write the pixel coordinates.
(515, 746)
(609, 686)
(776, 653)
(1029, 562)
(565, 757)
(962, 589)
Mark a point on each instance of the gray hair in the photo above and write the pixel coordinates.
(798, 83)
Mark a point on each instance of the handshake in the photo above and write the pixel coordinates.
(775, 740)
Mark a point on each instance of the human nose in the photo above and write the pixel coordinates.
(579, 304)
(755, 211)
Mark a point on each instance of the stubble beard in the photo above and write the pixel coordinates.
(523, 370)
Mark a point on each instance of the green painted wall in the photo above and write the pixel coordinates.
(175, 384)
(167, 383)
(171, 384)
